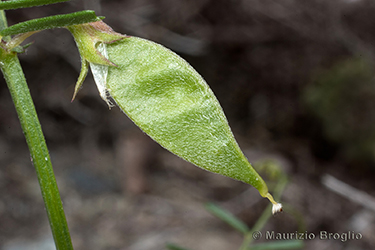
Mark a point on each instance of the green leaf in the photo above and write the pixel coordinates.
(16, 4)
(279, 245)
(227, 217)
(172, 103)
(57, 21)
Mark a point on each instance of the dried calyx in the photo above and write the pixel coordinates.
(90, 39)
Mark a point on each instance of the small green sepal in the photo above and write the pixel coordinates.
(18, 49)
(81, 78)
(15, 43)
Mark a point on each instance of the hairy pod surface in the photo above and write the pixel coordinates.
(171, 102)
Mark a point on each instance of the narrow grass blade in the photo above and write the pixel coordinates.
(57, 21)
(171, 246)
(279, 245)
(17, 4)
(227, 217)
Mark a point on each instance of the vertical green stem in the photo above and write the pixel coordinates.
(3, 20)
(18, 88)
(20, 93)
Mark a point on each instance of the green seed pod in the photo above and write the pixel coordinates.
(172, 103)
(163, 95)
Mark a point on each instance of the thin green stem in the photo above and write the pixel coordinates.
(16, 4)
(51, 22)
(20, 93)
(3, 20)
(17, 85)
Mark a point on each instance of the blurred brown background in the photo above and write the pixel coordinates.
(295, 79)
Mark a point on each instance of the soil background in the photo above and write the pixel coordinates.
(121, 190)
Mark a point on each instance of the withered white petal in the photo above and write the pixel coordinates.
(100, 73)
